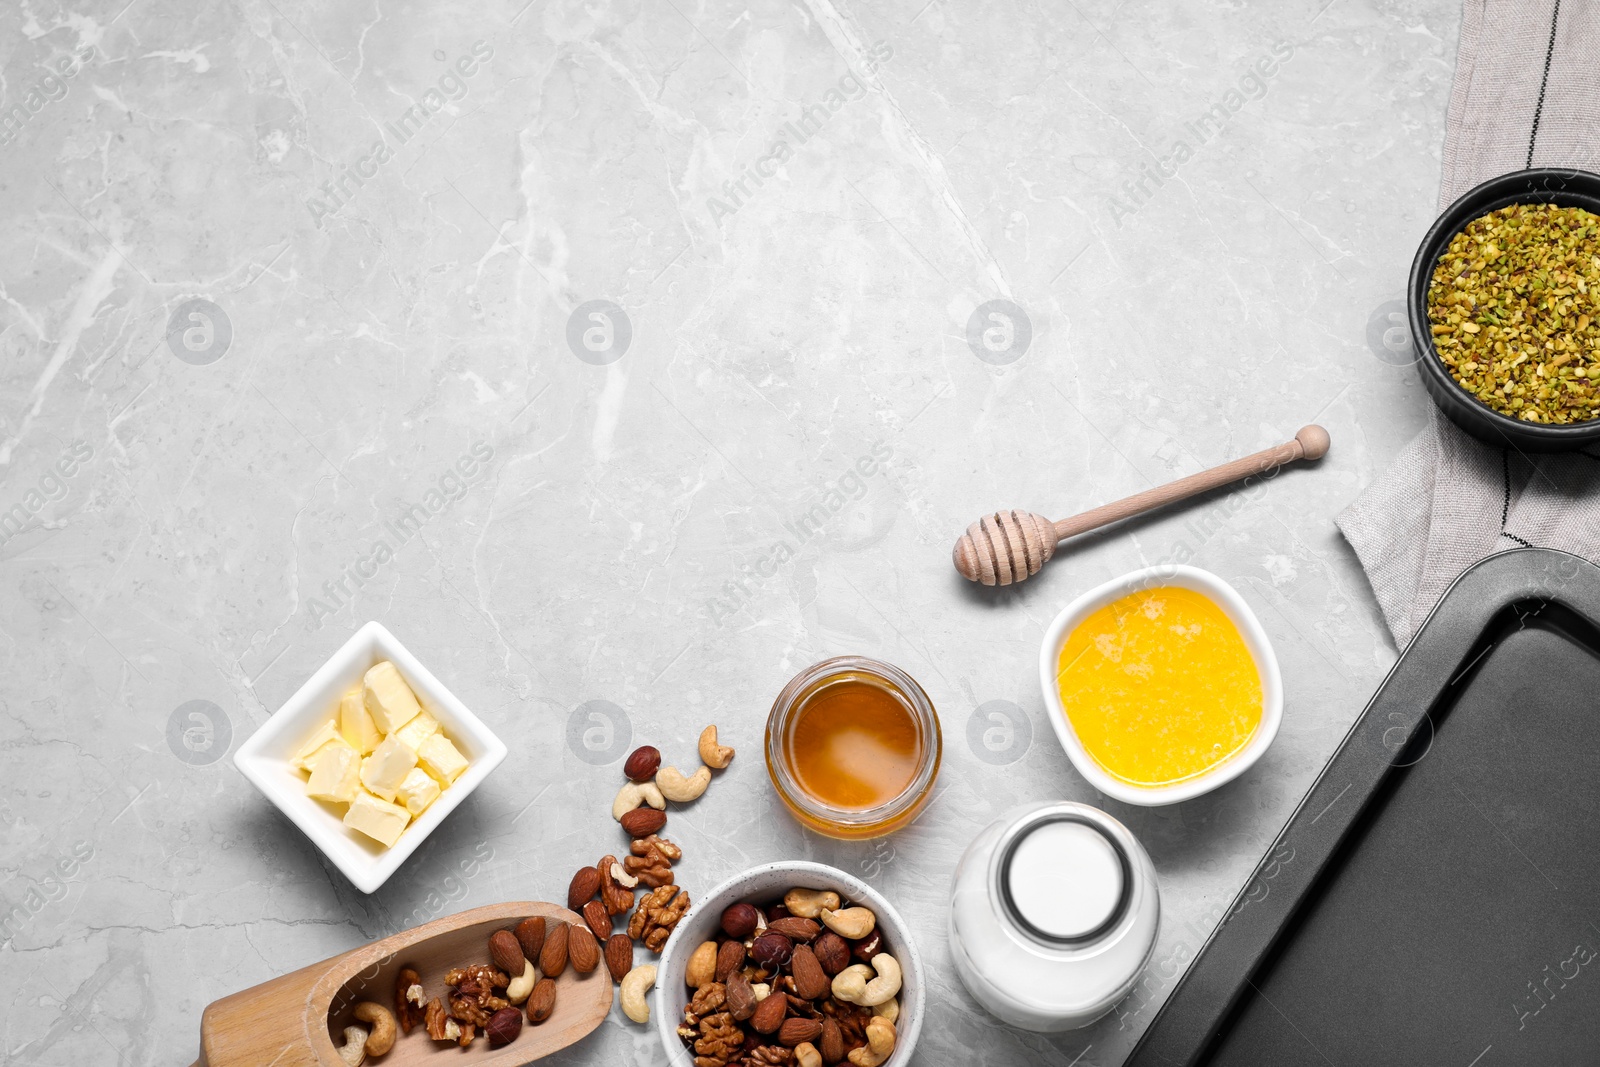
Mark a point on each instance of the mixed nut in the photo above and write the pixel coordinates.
(803, 981)
(607, 890)
(490, 999)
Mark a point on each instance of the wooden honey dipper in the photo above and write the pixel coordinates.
(1009, 546)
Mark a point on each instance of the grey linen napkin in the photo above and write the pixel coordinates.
(1526, 94)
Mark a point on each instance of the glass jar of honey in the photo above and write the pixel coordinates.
(853, 747)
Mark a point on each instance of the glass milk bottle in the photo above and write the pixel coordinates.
(1053, 915)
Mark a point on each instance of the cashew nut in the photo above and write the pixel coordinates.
(381, 1019)
(850, 983)
(852, 987)
(354, 1049)
(523, 984)
(808, 903)
(633, 794)
(635, 984)
(680, 790)
(702, 966)
(852, 924)
(880, 1044)
(889, 1009)
(711, 753)
(806, 1055)
(761, 990)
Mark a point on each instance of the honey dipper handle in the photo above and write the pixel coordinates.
(1310, 443)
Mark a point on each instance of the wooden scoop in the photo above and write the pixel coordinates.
(290, 1021)
(1008, 546)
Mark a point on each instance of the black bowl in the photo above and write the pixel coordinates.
(1569, 188)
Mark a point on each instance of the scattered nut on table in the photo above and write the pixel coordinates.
(680, 790)
(652, 860)
(641, 764)
(635, 984)
(711, 753)
(657, 915)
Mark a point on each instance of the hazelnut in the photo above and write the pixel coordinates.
(739, 921)
(642, 764)
(504, 1026)
(771, 950)
(832, 952)
(868, 946)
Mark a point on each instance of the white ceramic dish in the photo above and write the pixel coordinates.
(766, 885)
(1255, 639)
(264, 756)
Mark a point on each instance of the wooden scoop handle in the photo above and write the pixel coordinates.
(1310, 443)
(1009, 546)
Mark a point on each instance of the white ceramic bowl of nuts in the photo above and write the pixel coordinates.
(837, 951)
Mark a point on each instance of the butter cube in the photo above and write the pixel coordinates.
(417, 791)
(326, 734)
(355, 723)
(377, 818)
(440, 758)
(384, 770)
(419, 729)
(335, 777)
(389, 698)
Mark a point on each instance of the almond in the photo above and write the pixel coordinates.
(585, 884)
(553, 957)
(769, 1013)
(598, 918)
(530, 935)
(619, 955)
(642, 822)
(741, 998)
(641, 766)
(810, 980)
(506, 952)
(796, 1031)
(794, 928)
(542, 1001)
(583, 950)
(832, 1044)
(730, 957)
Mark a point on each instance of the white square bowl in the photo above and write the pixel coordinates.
(265, 756)
(1255, 639)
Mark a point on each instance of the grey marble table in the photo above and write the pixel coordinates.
(714, 285)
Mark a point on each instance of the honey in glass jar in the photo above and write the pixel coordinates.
(853, 747)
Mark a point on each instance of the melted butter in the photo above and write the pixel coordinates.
(1159, 686)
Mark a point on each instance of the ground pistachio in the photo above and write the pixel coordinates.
(1513, 310)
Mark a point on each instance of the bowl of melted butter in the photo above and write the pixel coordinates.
(1161, 685)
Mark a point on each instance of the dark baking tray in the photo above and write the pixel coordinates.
(1433, 899)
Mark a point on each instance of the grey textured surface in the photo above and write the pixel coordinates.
(641, 535)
